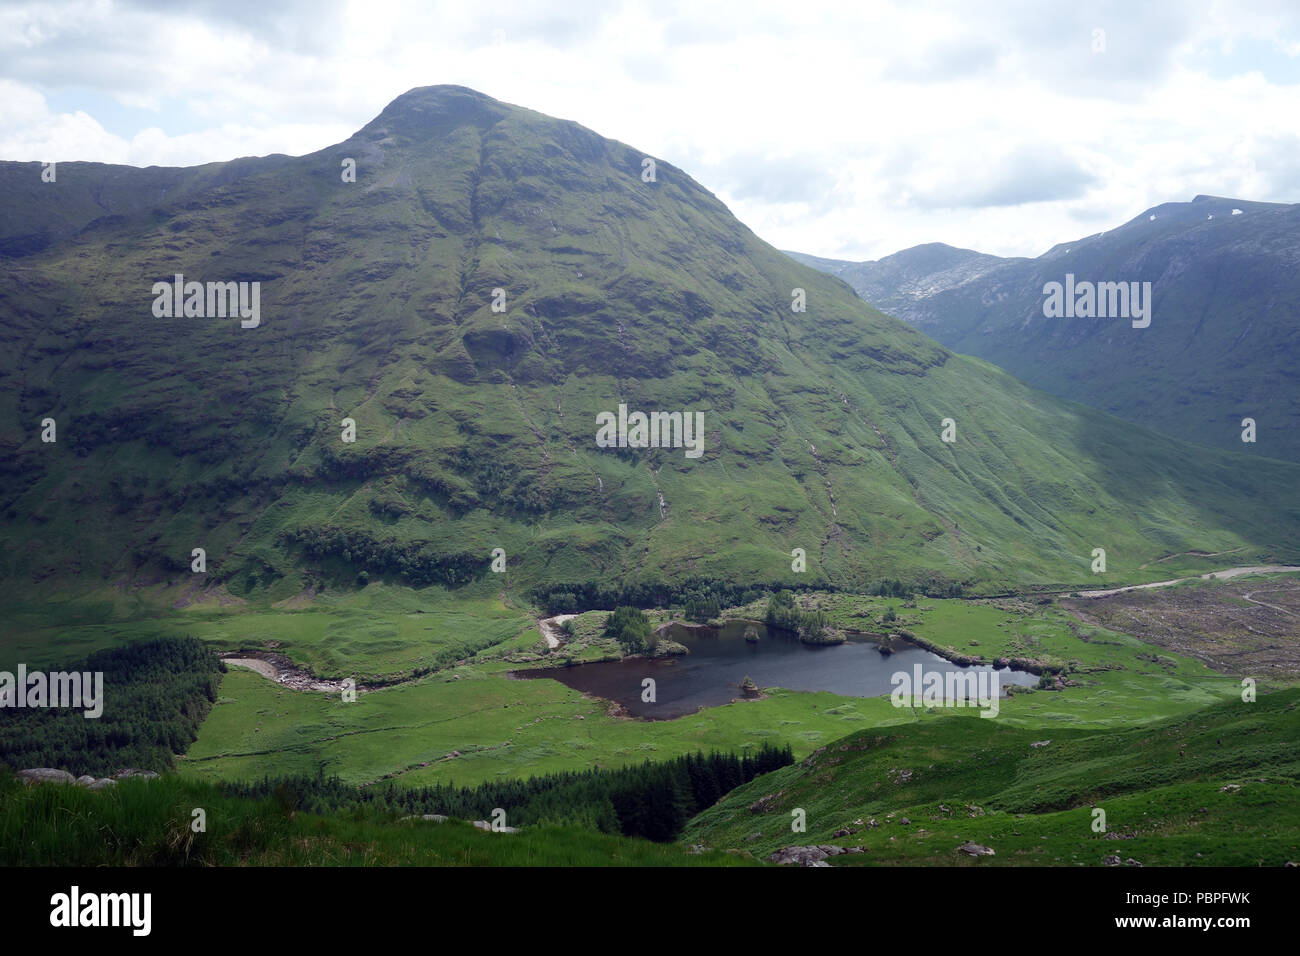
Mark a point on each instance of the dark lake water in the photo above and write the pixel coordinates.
(720, 659)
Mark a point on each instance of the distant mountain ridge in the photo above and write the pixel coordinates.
(1223, 344)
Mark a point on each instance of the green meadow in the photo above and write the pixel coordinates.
(500, 726)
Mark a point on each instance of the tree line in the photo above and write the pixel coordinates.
(415, 562)
(156, 695)
(653, 800)
(704, 598)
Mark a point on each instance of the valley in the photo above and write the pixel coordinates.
(498, 725)
(404, 470)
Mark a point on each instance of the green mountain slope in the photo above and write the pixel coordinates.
(1216, 787)
(1224, 335)
(476, 429)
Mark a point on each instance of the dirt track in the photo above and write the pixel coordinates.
(1224, 575)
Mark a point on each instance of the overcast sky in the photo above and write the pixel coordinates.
(851, 129)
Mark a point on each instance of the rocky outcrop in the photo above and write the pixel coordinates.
(50, 775)
(810, 855)
(666, 648)
(766, 803)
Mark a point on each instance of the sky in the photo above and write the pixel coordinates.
(849, 129)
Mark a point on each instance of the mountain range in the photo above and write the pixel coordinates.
(1224, 332)
(489, 282)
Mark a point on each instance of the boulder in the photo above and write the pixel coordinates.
(484, 825)
(45, 775)
(974, 849)
(809, 855)
(103, 783)
(85, 780)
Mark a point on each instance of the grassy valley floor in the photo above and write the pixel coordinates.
(1117, 726)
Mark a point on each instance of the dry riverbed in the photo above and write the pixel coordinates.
(280, 669)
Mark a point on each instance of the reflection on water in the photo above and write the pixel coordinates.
(720, 659)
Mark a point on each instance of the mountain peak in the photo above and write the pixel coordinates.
(435, 109)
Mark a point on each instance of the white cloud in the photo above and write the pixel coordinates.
(841, 130)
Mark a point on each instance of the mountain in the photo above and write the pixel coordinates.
(1224, 333)
(476, 429)
(898, 285)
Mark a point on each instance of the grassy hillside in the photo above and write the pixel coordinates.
(476, 429)
(1216, 787)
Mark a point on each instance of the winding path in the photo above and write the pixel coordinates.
(1212, 576)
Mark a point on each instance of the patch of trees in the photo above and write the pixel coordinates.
(413, 561)
(653, 801)
(596, 595)
(351, 464)
(784, 615)
(935, 588)
(631, 628)
(703, 609)
(701, 593)
(496, 477)
(155, 696)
